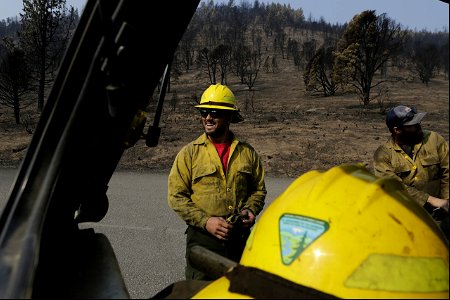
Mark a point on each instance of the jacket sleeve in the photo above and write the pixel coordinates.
(443, 155)
(257, 195)
(179, 191)
(383, 168)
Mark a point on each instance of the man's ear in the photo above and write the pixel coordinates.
(397, 130)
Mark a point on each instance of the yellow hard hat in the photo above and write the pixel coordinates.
(347, 234)
(218, 96)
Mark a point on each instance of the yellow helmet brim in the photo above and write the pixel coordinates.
(216, 107)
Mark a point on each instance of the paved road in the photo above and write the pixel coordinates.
(146, 235)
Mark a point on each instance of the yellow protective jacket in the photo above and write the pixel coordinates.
(198, 188)
(423, 175)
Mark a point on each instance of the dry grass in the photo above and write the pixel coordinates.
(293, 132)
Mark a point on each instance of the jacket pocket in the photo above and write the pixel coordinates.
(205, 179)
(429, 161)
(402, 169)
(245, 170)
(431, 165)
(202, 171)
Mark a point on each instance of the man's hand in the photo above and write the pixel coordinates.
(219, 227)
(438, 203)
(248, 218)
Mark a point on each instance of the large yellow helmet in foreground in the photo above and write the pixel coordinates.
(341, 233)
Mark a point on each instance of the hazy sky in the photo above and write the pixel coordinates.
(430, 15)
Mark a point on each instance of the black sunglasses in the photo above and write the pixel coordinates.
(212, 112)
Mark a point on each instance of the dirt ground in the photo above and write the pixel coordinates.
(293, 132)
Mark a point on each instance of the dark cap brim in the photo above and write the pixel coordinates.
(416, 120)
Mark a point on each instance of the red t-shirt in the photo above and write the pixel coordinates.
(224, 151)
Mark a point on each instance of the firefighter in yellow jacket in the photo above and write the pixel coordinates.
(216, 183)
(417, 158)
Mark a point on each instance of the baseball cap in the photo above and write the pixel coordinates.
(403, 116)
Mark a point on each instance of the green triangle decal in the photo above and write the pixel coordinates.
(297, 233)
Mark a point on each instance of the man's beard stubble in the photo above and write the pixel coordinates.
(411, 138)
